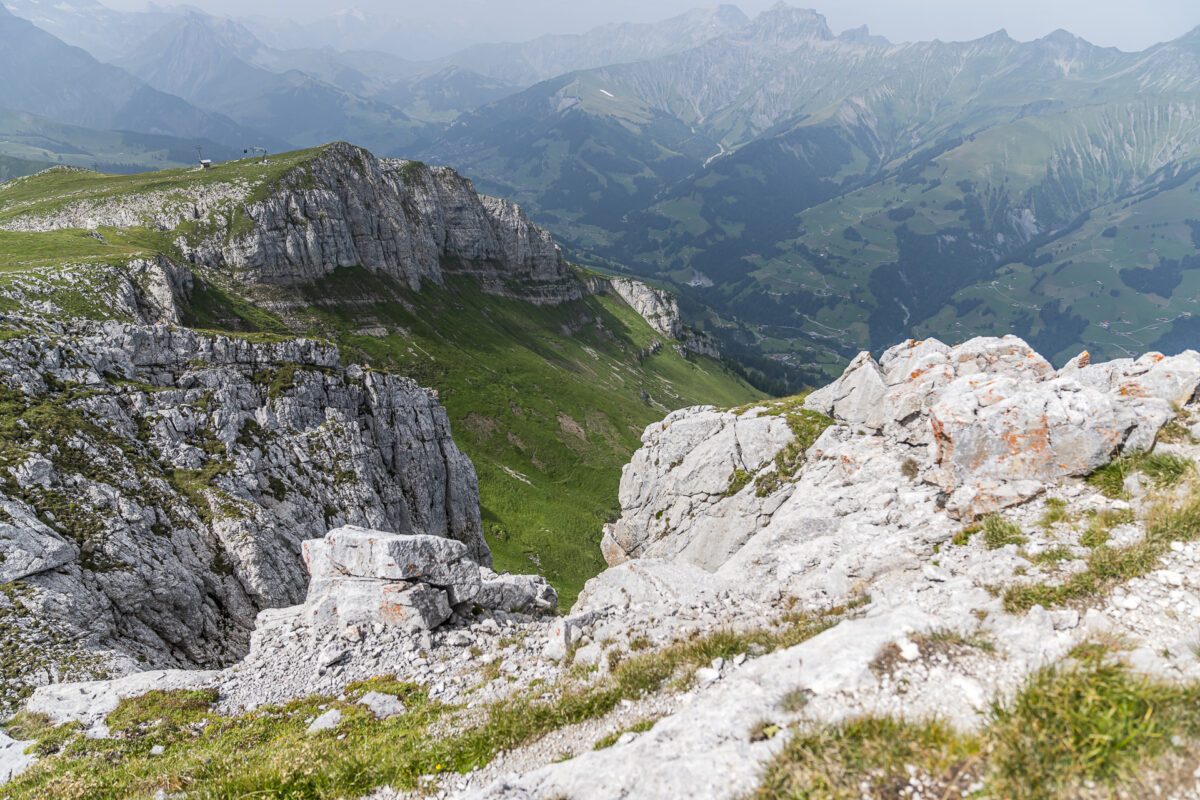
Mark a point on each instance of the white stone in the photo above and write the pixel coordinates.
(326, 722)
(382, 705)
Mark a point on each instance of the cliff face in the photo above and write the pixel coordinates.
(661, 310)
(157, 483)
(347, 208)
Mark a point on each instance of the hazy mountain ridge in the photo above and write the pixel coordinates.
(1030, 137)
(47, 77)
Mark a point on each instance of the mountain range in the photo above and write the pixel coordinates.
(807, 194)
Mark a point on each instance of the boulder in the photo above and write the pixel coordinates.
(362, 553)
(1003, 438)
(531, 594)
(339, 603)
(13, 758)
(27, 546)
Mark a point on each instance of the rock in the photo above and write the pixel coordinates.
(382, 706)
(176, 566)
(337, 603)
(361, 553)
(328, 721)
(857, 397)
(682, 471)
(28, 547)
(88, 703)
(1004, 438)
(157, 750)
(531, 594)
(330, 655)
(909, 650)
(935, 573)
(13, 758)
(563, 635)
(661, 310)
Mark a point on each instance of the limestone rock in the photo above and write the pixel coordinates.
(531, 594)
(13, 758)
(328, 721)
(28, 547)
(382, 706)
(197, 465)
(339, 603)
(89, 702)
(361, 553)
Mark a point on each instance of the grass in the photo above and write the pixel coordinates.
(1162, 469)
(998, 532)
(47, 192)
(1109, 566)
(1073, 724)
(609, 740)
(1052, 555)
(546, 401)
(806, 427)
(1056, 511)
(1099, 523)
(266, 754)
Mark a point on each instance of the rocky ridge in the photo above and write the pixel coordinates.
(917, 443)
(836, 504)
(661, 310)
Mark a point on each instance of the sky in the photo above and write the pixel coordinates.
(1110, 23)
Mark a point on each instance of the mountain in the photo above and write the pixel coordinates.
(44, 142)
(749, 162)
(209, 63)
(352, 29)
(106, 33)
(941, 573)
(548, 374)
(526, 63)
(47, 77)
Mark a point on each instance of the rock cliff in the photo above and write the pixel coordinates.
(341, 207)
(157, 484)
(661, 310)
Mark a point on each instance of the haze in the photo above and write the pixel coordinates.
(457, 23)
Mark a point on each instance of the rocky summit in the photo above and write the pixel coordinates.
(924, 542)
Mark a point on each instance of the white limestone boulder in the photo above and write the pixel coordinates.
(361, 553)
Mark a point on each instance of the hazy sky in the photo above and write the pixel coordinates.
(1117, 23)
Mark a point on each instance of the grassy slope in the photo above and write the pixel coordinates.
(548, 417)
(549, 402)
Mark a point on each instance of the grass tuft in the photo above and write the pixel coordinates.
(1108, 566)
(998, 532)
(1164, 470)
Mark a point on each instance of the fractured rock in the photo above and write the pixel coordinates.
(361, 553)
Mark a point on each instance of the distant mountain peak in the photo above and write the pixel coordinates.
(862, 35)
(783, 22)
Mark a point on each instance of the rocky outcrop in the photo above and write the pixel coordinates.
(157, 484)
(346, 208)
(660, 309)
(914, 446)
(1003, 423)
(362, 578)
(342, 207)
(764, 518)
(927, 437)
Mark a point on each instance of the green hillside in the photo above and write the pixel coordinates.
(548, 401)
